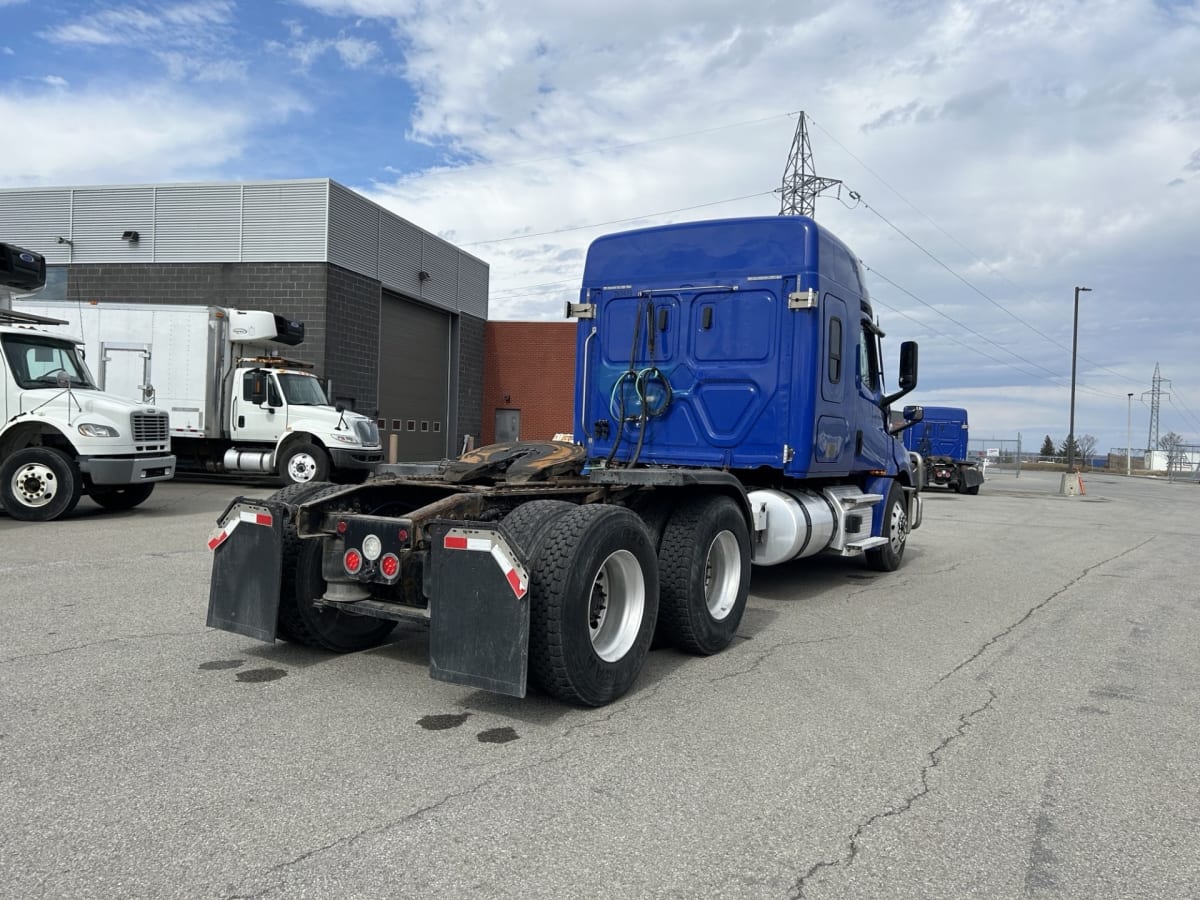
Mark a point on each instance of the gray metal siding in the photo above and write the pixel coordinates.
(440, 260)
(198, 223)
(101, 215)
(285, 221)
(36, 219)
(353, 231)
(400, 255)
(278, 222)
(472, 286)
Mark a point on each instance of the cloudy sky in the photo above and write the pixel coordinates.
(994, 153)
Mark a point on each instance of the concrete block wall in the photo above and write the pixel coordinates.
(530, 366)
(352, 339)
(472, 353)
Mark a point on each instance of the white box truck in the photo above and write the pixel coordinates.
(235, 404)
(61, 436)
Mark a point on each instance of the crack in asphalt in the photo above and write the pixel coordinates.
(279, 871)
(1029, 613)
(935, 758)
(762, 657)
(115, 640)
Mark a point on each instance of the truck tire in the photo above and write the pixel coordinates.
(121, 496)
(895, 528)
(704, 574)
(303, 463)
(39, 484)
(300, 583)
(593, 606)
(529, 522)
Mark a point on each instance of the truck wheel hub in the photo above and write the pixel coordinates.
(35, 484)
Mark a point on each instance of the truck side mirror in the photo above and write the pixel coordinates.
(908, 374)
(258, 389)
(914, 414)
(908, 365)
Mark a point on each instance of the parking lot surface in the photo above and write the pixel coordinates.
(1013, 713)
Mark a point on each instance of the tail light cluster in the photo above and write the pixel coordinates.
(373, 547)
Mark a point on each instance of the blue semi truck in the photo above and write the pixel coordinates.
(730, 411)
(940, 437)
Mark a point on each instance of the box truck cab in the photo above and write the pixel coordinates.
(61, 437)
(276, 402)
(235, 404)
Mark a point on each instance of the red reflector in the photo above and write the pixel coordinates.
(262, 519)
(217, 541)
(352, 561)
(403, 535)
(389, 565)
(454, 543)
(342, 526)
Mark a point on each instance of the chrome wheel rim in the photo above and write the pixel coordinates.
(35, 485)
(302, 468)
(722, 575)
(616, 605)
(898, 527)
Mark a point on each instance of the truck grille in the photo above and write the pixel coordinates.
(368, 432)
(151, 428)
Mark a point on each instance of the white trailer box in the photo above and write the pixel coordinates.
(235, 405)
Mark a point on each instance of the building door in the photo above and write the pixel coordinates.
(508, 425)
(414, 379)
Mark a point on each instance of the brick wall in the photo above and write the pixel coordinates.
(352, 341)
(532, 364)
(294, 290)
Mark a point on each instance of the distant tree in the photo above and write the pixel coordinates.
(1048, 447)
(1065, 449)
(1170, 442)
(1087, 446)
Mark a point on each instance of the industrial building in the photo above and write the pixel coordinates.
(394, 315)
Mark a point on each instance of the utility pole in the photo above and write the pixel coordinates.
(1074, 354)
(1129, 435)
(801, 184)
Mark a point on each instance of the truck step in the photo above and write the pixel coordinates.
(853, 548)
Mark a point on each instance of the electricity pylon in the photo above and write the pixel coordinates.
(801, 184)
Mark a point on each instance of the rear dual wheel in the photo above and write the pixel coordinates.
(300, 620)
(593, 597)
(704, 561)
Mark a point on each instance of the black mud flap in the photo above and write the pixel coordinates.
(247, 546)
(478, 609)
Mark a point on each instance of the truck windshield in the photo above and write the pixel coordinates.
(39, 362)
(302, 390)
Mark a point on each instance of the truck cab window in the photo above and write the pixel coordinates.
(835, 350)
(868, 359)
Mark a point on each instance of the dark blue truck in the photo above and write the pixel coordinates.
(730, 410)
(940, 437)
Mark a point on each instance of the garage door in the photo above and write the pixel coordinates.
(414, 379)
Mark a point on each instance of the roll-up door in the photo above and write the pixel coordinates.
(414, 379)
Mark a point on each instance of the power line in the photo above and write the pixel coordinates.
(977, 257)
(609, 149)
(520, 237)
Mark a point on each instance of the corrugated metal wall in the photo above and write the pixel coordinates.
(315, 220)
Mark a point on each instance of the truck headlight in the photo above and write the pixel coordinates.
(345, 438)
(89, 429)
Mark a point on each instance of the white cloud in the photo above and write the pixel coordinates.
(176, 24)
(140, 136)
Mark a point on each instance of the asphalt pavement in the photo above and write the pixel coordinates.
(1014, 713)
